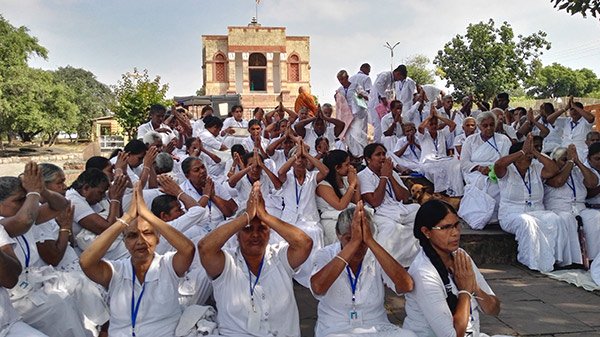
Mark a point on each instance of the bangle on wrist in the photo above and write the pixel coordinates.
(205, 195)
(247, 218)
(115, 200)
(471, 295)
(123, 222)
(342, 259)
(65, 230)
(33, 193)
(145, 168)
(523, 152)
(179, 195)
(384, 177)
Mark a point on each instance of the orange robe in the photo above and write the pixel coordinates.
(305, 100)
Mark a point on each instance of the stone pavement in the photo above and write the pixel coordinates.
(532, 305)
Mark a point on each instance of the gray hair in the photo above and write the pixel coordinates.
(49, 172)
(591, 134)
(163, 163)
(326, 105)
(469, 119)
(342, 73)
(8, 186)
(186, 165)
(344, 221)
(151, 137)
(558, 152)
(487, 115)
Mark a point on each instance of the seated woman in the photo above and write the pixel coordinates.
(52, 240)
(383, 190)
(449, 290)
(443, 171)
(195, 148)
(566, 193)
(541, 234)
(479, 151)
(356, 308)
(143, 289)
(407, 151)
(92, 212)
(254, 169)
(253, 286)
(11, 324)
(53, 313)
(337, 192)
(298, 191)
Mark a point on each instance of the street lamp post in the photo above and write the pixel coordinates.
(391, 48)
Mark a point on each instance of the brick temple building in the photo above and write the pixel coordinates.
(256, 62)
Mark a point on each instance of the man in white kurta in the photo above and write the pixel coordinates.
(350, 97)
(381, 92)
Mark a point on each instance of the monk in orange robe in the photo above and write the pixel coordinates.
(305, 100)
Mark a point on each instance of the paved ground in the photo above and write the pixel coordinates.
(532, 305)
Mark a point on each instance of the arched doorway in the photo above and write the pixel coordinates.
(257, 71)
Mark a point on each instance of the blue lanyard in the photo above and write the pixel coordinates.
(353, 281)
(528, 186)
(388, 189)
(572, 186)
(573, 125)
(495, 145)
(412, 149)
(26, 251)
(435, 143)
(252, 286)
(298, 192)
(346, 93)
(135, 306)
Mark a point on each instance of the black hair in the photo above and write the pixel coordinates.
(320, 139)
(189, 141)
(593, 149)
(256, 110)
(115, 153)
(186, 165)
(578, 104)
(135, 146)
(249, 155)
(370, 149)
(157, 108)
(331, 160)
(253, 122)
(402, 70)
(8, 186)
(394, 103)
(502, 95)
(92, 177)
(97, 162)
(162, 204)
(516, 147)
(486, 105)
(239, 149)
(210, 121)
(548, 108)
(233, 108)
(429, 215)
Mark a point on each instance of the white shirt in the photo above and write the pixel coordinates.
(362, 79)
(214, 213)
(433, 148)
(50, 231)
(382, 87)
(572, 193)
(209, 141)
(299, 200)
(273, 295)
(8, 314)
(521, 194)
(389, 207)
(159, 309)
(311, 136)
(82, 208)
(248, 143)
(231, 122)
(147, 127)
(405, 90)
(475, 151)
(335, 305)
(412, 152)
(575, 133)
(427, 312)
(271, 196)
(386, 122)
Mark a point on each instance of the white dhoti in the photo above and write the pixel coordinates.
(396, 234)
(445, 175)
(567, 242)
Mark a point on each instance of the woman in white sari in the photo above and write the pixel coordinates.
(478, 153)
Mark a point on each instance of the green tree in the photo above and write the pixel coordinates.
(37, 104)
(418, 69)
(16, 46)
(135, 93)
(92, 97)
(578, 6)
(557, 80)
(488, 60)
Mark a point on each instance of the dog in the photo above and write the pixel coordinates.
(420, 195)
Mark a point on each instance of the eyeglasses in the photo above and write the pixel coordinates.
(447, 227)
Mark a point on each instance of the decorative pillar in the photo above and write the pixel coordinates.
(246, 73)
(270, 73)
(231, 73)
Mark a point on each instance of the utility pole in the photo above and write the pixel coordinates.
(391, 48)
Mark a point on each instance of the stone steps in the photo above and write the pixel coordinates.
(491, 245)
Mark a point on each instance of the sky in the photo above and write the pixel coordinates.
(111, 37)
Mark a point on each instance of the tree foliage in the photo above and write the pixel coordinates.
(578, 6)
(418, 69)
(92, 97)
(487, 59)
(557, 80)
(135, 93)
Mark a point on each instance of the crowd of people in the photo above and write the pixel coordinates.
(233, 212)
